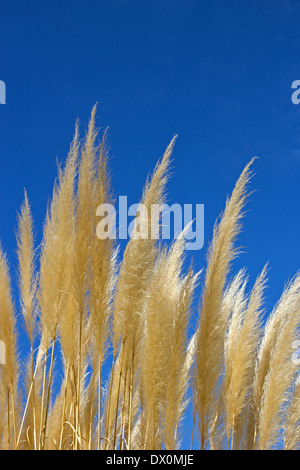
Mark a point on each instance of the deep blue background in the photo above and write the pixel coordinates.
(216, 73)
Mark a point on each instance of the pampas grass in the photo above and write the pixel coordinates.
(114, 361)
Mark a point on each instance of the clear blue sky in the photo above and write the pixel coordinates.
(216, 73)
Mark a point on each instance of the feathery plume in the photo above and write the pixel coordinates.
(212, 326)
